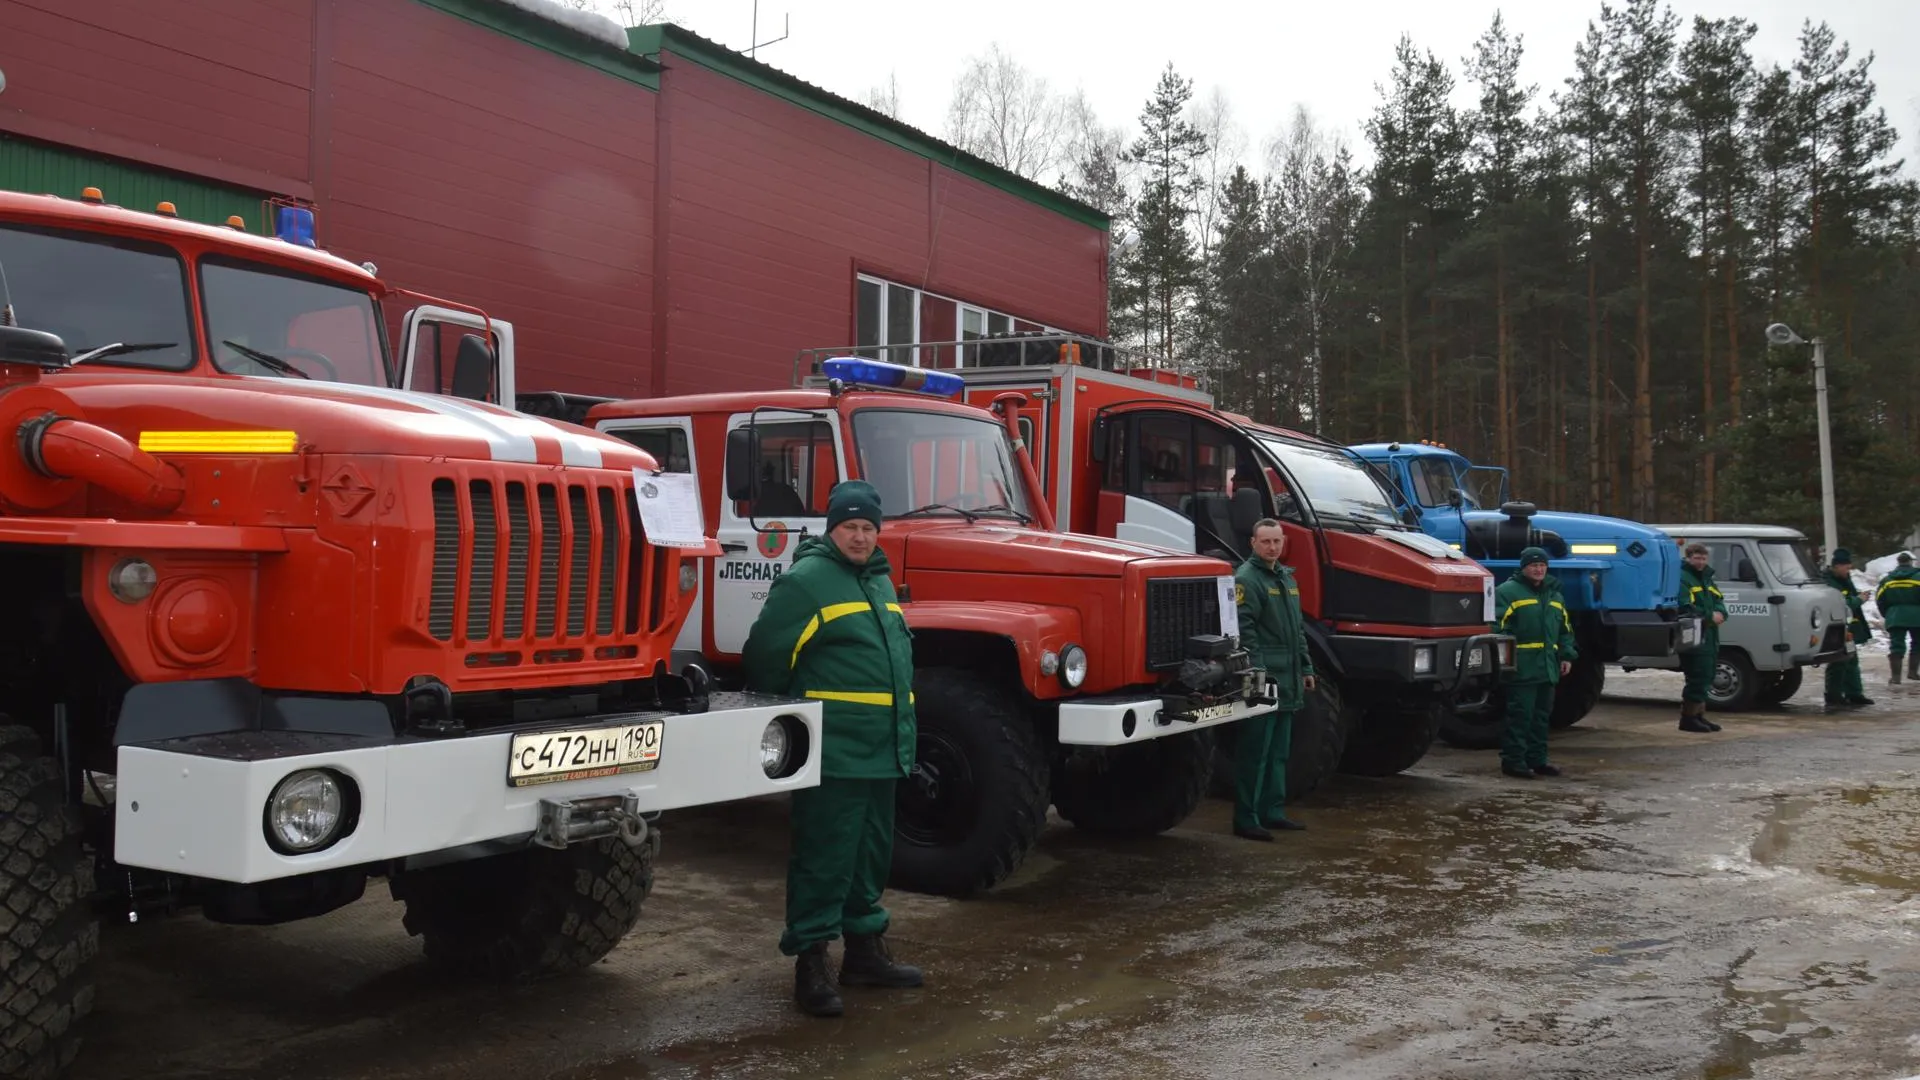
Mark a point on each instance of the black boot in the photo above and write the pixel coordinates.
(1692, 721)
(812, 989)
(1913, 666)
(868, 963)
(1895, 665)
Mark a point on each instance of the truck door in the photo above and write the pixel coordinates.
(798, 463)
(1181, 481)
(1430, 482)
(1752, 622)
(434, 363)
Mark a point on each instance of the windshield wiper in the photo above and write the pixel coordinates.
(121, 347)
(931, 507)
(1003, 508)
(265, 359)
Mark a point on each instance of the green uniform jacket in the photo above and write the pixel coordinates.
(1856, 607)
(834, 632)
(1899, 598)
(1700, 596)
(1271, 628)
(1536, 616)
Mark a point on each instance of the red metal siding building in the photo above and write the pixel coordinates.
(671, 200)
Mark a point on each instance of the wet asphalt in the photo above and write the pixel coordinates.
(1745, 904)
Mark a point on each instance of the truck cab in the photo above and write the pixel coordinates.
(1074, 671)
(287, 625)
(1782, 616)
(1621, 579)
(1397, 622)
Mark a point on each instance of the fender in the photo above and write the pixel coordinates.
(1031, 629)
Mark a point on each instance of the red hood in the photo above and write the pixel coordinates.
(1010, 549)
(338, 418)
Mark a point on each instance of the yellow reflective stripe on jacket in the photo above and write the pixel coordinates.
(1513, 607)
(1563, 613)
(1531, 645)
(1898, 583)
(856, 697)
(827, 615)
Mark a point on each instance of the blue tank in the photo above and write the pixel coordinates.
(1620, 579)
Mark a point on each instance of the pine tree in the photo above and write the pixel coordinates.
(1163, 264)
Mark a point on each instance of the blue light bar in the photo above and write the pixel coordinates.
(294, 224)
(864, 372)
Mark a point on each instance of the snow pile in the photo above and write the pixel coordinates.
(592, 24)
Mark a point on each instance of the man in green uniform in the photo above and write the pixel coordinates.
(1271, 629)
(1899, 600)
(1700, 596)
(1843, 676)
(832, 630)
(1531, 609)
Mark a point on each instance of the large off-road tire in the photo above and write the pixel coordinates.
(48, 934)
(1139, 789)
(1776, 688)
(1578, 692)
(978, 797)
(1735, 686)
(1392, 736)
(1321, 730)
(529, 913)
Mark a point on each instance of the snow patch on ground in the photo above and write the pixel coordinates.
(592, 24)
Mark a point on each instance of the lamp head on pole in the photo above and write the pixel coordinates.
(1782, 334)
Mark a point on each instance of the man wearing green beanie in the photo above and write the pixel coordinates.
(1843, 677)
(1532, 611)
(1700, 596)
(832, 630)
(1899, 600)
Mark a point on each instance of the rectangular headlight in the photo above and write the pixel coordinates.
(1423, 660)
(1594, 549)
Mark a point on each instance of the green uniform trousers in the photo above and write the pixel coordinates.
(1897, 642)
(1523, 742)
(1698, 666)
(1843, 680)
(841, 854)
(1260, 769)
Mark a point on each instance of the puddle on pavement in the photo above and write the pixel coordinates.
(1861, 836)
(1768, 1015)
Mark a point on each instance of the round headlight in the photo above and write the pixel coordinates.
(1073, 666)
(1814, 618)
(132, 580)
(774, 746)
(307, 811)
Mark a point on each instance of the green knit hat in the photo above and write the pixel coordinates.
(851, 499)
(1532, 555)
(1841, 555)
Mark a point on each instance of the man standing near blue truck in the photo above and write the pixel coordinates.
(1700, 596)
(1531, 610)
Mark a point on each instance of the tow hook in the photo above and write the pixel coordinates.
(571, 821)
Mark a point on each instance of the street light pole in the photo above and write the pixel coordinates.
(1782, 334)
(1826, 442)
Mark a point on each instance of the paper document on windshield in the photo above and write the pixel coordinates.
(669, 508)
(1486, 591)
(1229, 611)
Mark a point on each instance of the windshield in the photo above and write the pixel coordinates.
(262, 321)
(1334, 482)
(1787, 561)
(919, 459)
(96, 291)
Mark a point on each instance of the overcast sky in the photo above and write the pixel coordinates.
(1267, 56)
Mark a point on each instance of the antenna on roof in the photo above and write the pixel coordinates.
(754, 42)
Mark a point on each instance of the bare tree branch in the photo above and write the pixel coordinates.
(886, 98)
(1004, 113)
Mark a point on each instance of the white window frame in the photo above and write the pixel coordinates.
(889, 350)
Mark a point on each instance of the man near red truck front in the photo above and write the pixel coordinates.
(1272, 630)
(832, 630)
(1532, 611)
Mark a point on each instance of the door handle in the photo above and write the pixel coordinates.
(733, 547)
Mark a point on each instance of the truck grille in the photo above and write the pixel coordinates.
(1177, 609)
(569, 561)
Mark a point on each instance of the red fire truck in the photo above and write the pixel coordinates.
(1399, 622)
(1080, 672)
(280, 626)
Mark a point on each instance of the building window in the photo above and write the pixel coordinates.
(976, 323)
(887, 321)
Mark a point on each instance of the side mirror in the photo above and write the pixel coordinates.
(36, 348)
(743, 455)
(1455, 499)
(1743, 571)
(473, 369)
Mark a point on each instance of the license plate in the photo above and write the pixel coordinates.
(1212, 712)
(549, 757)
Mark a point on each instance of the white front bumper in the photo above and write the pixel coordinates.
(1116, 721)
(197, 806)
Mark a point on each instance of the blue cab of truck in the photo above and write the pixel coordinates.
(1621, 579)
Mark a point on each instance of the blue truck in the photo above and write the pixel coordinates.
(1621, 579)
